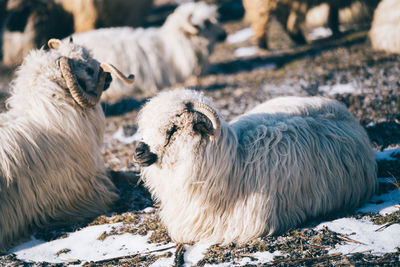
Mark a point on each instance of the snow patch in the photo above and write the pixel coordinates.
(319, 33)
(240, 36)
(338, 89)
(246, 51)
(121, 137)
(386, 154)
(84, 245)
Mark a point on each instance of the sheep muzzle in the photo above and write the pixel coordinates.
(143, 156)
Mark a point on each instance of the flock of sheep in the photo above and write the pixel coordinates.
(285, 162)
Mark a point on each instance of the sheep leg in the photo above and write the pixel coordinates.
(293, 26)
(333, 20)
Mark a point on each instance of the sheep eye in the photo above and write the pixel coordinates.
(170, 133)
(90, 71)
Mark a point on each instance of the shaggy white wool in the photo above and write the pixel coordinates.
(159, 57)
(283, 163)
(51, 169)
(385, 28)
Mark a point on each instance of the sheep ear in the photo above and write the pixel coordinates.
(188, 27)
(54, 43)
(207, 122)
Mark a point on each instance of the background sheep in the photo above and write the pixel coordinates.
(159, 57)
(385, 28)
(51, 169)
(29, 24)
(287, 161)
(92, 14)
(292, 14)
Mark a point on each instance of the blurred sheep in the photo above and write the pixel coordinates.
(385, 28)
(51, 169)
(159, 57)
(29, 24)
(292, 15)
(287, 161)
(92, 14)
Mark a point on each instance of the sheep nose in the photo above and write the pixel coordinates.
(143, 156)
(107, 81)
(222, 36)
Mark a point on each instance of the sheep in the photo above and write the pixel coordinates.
(51, 169)
(29, 24)
(287, 161)
(89, 15)
(385, 28)
(159, 57)
(292, 15)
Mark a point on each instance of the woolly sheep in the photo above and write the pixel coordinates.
(385, 28)
(92, 14)
(287, 161)
(292, 15)
(159, 57)
(51, 169)
(29, 24)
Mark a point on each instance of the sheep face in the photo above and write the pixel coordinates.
(198, 20)
(187, 124)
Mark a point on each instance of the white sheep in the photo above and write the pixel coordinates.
(159, 57)
(51, 169)
(385, 28)
(287, 161)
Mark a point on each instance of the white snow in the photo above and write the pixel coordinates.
(85, 246)
(338, 89)
(319, 32)
(386, 154)
(246, 51)
(240, 36)
(195, 253)
(120, 136)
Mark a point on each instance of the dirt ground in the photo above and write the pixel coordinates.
(238, 84)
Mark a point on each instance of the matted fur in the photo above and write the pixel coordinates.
(286, 161)
(51, 169)
(159, 57)
(385, 28)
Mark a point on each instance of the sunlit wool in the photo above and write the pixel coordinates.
(279, 165)
(51, 169)
(159, 57)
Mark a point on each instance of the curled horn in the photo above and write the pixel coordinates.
(211, 114)
(83, 98)
(110, 68)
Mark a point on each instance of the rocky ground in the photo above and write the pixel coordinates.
(346, 69)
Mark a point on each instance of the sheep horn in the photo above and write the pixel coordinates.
(83, 98)
(110, 68)
(211, 114)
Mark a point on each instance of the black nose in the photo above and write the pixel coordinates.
(107, 81)
(143, 156)
(222, 36)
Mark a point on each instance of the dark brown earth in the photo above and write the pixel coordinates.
(236, 85)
